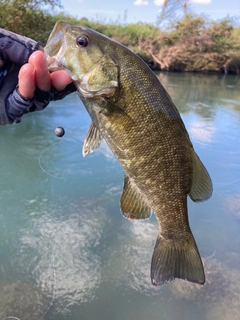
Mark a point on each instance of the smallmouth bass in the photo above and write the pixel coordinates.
(132, 111)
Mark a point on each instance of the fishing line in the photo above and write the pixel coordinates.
(39, 161)
(54, 283)
(53, 289)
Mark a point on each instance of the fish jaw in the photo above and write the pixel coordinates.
(57, 51)
(64, 52)
(55, 47)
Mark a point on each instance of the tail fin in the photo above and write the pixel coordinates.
(172, 261)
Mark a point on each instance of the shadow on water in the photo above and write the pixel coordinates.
(65, 247)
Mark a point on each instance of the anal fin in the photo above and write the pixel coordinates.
(132, 204)
(92, 140)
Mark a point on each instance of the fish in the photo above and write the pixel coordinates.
(134, 114)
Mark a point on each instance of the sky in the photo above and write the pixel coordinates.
(131, 11)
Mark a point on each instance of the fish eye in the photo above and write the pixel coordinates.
(82, 41)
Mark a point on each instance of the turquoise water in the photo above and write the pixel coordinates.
(62, 236)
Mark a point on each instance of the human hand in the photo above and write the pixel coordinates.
(37, 87)
(35, 74)
(25, 83)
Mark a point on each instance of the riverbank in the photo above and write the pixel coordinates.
(192, 44)
(177, 60)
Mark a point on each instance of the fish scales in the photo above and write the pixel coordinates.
(132, 111)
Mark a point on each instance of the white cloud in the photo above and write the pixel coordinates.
(159, 2)
(65, 247)
(202, 131)
(101, 11)
(106, 151)
(140, 3)
(201, 1)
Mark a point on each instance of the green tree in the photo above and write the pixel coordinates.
(220, 33)
(28, 17)
(189, 25)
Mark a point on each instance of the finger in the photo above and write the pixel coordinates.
(42, 75)
(26, 81)
(60, 79)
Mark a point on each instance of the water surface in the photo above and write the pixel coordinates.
(62, 233)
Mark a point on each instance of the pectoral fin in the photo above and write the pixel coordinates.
(132, 204)
(201, 188)
(92, 140)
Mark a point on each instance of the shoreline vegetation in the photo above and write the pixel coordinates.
(192, 44)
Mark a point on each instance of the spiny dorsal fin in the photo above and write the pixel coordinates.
(92, 140)
(201, 188)
(132, 204)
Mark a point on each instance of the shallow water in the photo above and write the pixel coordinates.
(61, 230)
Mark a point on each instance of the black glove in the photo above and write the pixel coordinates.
(14, 52)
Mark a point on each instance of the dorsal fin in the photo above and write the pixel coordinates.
(92, 140)
(132, 204)
(201, 188)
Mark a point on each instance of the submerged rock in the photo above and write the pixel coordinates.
(220, 295)
(23, 301)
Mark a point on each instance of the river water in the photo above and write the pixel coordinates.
(66, 252)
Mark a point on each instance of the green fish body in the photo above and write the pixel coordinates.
(132, 111)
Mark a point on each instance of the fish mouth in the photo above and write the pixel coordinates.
(53, 48)
(53, 61)
(52, 64)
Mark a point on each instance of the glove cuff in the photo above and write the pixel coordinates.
(17, 105)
